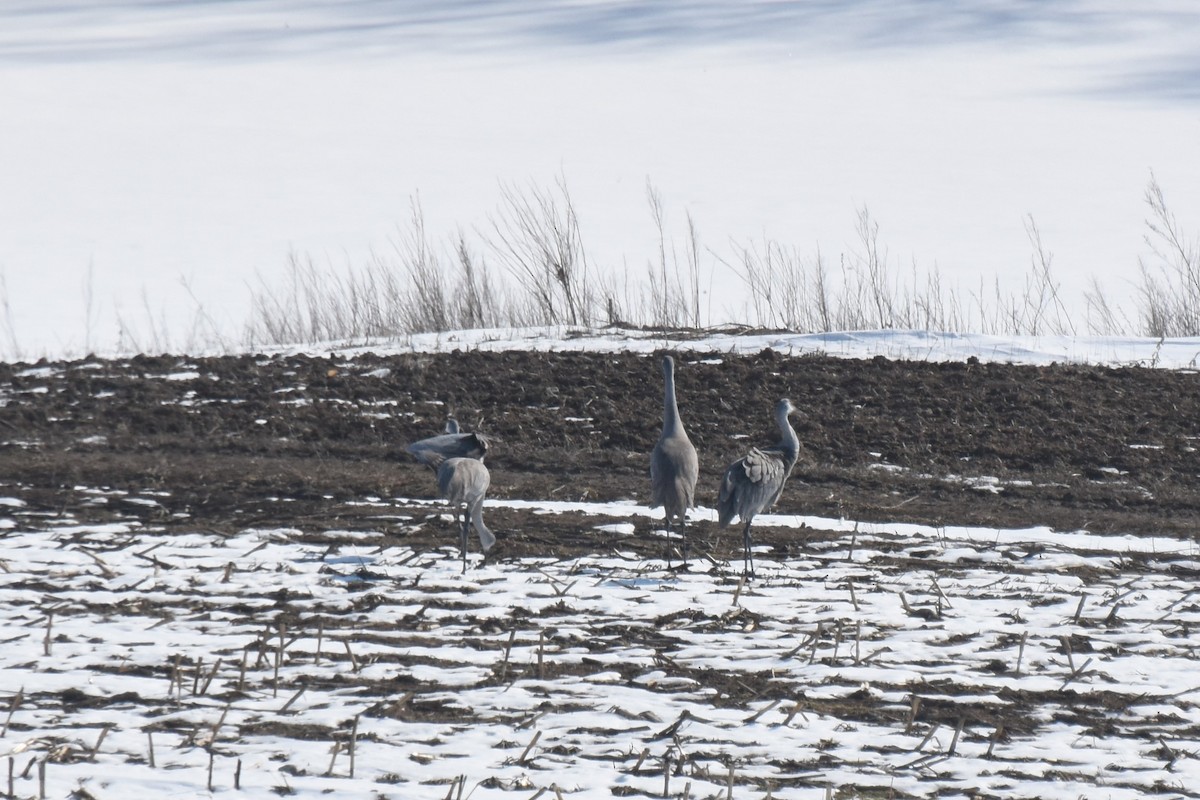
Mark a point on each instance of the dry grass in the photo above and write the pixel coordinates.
(529, 266)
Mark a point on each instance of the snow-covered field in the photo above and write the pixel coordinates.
(884, 659)
(1113, 351)
(144, 145)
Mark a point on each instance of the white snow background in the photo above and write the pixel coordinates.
(148, 145)
(1055, 663)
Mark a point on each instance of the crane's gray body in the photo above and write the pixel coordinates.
(464, 482)
(754, 482)
(674, 466)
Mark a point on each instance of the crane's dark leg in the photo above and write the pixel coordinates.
(667, 520)
(683, 535)
(747, 556)
(462, 541)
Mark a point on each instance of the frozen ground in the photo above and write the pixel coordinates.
(147, 145)
(886, 660)
(1113, 351)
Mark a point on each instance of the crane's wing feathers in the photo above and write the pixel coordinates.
(763, 466)
(751, 484)
(433, 451)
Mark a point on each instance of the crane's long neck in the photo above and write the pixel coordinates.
(486, 537)
(672, 424)
(789, 442)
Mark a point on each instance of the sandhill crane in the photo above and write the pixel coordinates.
(754, 482)
(452, 444)
(673, 463)
(463, 482)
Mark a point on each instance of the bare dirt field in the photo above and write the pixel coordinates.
(1109, 450)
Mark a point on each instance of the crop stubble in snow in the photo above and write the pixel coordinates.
(980, 582)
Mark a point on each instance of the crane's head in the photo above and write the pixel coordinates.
(784, 407)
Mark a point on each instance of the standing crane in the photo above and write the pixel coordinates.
(673, 464)
(463, 482)
(753, 483)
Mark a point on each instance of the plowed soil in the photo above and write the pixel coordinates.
(1109, 450)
